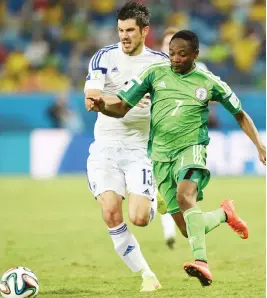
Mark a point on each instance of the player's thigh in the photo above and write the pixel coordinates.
(140, 186)
(139, 178)
(166, 185)
(107, 184)
(187, 191)
(104, 175)
(190, 172)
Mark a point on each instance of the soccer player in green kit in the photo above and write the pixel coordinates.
(180, 93)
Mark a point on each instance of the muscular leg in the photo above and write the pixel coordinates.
(139, 210)
(187, 192)
(125, 244)
(179, 220)
(194, 219)
(107, 180)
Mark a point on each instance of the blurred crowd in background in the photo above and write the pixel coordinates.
(45, 45)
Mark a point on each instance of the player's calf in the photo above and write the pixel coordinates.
(180, 223)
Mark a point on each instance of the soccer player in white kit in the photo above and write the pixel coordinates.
(168, 224)
(118, 159)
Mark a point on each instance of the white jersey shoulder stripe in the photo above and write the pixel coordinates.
(157, 53)
(97, 57)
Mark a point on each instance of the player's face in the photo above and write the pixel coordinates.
(182, 55)
(131, 36)
(166, 43)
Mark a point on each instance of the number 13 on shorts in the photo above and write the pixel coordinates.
(147, 177)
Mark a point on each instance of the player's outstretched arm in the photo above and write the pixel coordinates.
(247, 125)
(96, 93)
(116, 109)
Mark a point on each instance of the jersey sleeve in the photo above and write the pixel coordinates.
(97, 71)
(135, 89)
(223, 94)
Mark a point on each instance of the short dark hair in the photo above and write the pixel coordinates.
(188, 36)
(136, 11)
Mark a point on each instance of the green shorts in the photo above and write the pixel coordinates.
(169, 174)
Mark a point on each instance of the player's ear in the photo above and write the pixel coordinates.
(196, 53)
(145, 31)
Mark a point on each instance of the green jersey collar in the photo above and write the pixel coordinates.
(185, 75)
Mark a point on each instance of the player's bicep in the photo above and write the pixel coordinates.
(232, 104)
(223, 94)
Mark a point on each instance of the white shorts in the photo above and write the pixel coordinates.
(119, 169)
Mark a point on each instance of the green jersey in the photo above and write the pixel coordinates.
(179, 109)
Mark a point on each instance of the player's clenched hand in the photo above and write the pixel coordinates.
(89, 104)
(262, 154)
(96, 104)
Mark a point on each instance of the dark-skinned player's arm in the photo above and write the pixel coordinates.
(105, 106)
(247, 125)
(223, 94)
(127, 98)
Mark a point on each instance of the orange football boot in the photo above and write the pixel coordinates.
(199, 270)
(233, 220)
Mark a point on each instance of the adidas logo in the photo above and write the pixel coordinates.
(115, 69)
(146, 192)
(128, 250)
(162, 84)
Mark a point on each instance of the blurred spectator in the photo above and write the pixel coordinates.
(45, 45)
(63, 117)
(245, 50)
(37, 50)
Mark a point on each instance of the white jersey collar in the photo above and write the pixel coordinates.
(131, 57)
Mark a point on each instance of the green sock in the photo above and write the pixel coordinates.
(195, 226)
(213, 219)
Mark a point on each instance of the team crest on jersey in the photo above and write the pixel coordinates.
(201, 93)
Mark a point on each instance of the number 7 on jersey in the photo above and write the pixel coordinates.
(178, 105)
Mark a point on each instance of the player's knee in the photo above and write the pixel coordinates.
(186, 200)
(139, 220)
(111, 209)
(112, 217)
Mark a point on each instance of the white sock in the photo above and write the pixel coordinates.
(127, 247)
(168, 226)
(153, 210)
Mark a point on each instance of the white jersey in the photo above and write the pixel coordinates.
(109, 69)
(201, 65)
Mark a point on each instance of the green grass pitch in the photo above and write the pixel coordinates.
(55, 228)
